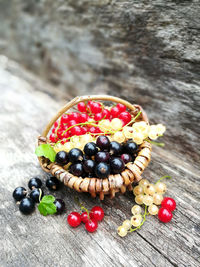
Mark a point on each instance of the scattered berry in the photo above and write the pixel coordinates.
(127, 224)
(27, 206)
(97, 213)
(164, 215)
(19, 193)
(34, 183)
(52, 183)
(168, 203)
(36, 194)
(136, 220)
(160, 187)
(153, 209)
(91, 225)
(122, 231)
(60, 206)
(84, 217)
(138, 190)
(149, 189)
(74, 219)
(136, 209)
(157, 198)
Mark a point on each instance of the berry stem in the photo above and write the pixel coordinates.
(144, 219)
(82, 207)
(163, 177)
(137, 115)
(155, 143)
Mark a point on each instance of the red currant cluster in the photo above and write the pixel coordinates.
(90, 219)
(75, 123)
(165, 212)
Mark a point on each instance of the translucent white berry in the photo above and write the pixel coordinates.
(126, 224)
(122, 231)
(141, 127)
(160, 128)
(138, 190)
(160, 187)
(116, 124)
(119, 137)
(157, 198)
(68, 146)
(153, 209)
(153, 134)
(149, 189)
(137, 138)
(148, 200)
(136, 220)
(139, 199)
(143, 182)
(136, 209)
(128, 132)
(104, 125)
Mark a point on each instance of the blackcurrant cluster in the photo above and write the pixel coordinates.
(99, 159)
(27, 200)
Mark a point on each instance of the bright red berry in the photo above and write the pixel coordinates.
(81, 107)
(76, 130)
(84, 130)
(65, 135)
(106, 114)
(91, 225)
(74, 219)
(95, 107)
(83, 117)
(115, 112)
(64, 118)
(55, 124)
(121, 107)
(97, 213)
(169, 203)
(53, 130)
(74, 116)
(98, 116)
(84, 217)
(71, 123)
(92, 129)
(164, 215)
(53, 138)
(59, 133)
(125, 117)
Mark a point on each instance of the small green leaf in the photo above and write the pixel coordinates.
(47, 205)
(47, 151)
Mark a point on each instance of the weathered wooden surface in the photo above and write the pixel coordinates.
(48, 241)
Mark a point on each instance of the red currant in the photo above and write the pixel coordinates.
(91, 225)
(84, 217)
(59, 133)
(97, 213)
(98, 116)
(95, 107)
(106, 114)
(121, 107)
(81, 107)
(125, 117)
(84, 130)
(92, 129)
(115, 112)
(83, 117)
(53, 138)
(64, 118)
(71, 123)
(65, 135)
(53, 130)
(74, 219)
(169, 203)
(55, 124)
(164, 215)
(76, 130)
(97, 130)
(74, 116)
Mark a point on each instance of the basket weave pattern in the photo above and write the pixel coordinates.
(95, 186)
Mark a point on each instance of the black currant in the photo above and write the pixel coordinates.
(36, 194)
(34, 183)
(19, 193)
(117, 165)
(102, 156)
(27, 205)
(52, 183)
(89, 166)
(75, 155)
(90, 149)
(60, 206)
(115, 148)
(126, 158)
(76, 169)
(102, 170)
(130, 147)
(62, 158)
(103, 142)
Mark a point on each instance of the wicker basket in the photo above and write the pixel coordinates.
(95, 186)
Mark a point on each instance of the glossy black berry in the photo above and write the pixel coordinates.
(103, 142)
(102, 156)
(130, 147)
(89, 166)
(34, 183)
(102, 170)
(19, 193)
(90, 149)
(60, 206)
(36, 194)
(117, 165)
(27, 205)
(76, 169)
(115, 148)
(126, 158)
(52, 183)
(62, 158)
(75, 155)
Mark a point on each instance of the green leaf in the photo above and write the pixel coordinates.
(47, 205)
(47, 151)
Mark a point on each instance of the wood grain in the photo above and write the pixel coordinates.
(48, 241)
